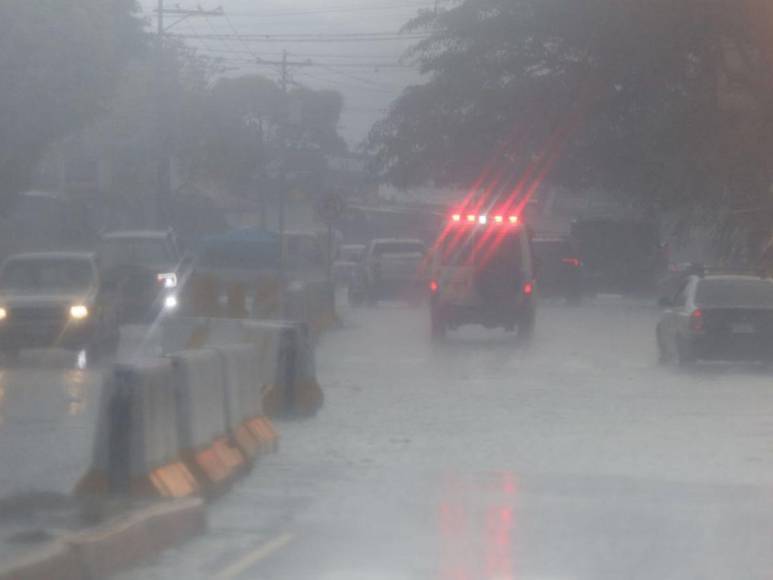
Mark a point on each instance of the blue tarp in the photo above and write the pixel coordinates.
(244, 249)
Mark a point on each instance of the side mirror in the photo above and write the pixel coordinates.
(665, 302)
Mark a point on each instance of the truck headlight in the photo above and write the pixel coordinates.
(79, 312)
(168, 280)
(3, 313)
(170, 302)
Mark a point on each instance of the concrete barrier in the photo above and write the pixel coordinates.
(205, 445)
(291, 389)
(243, 403)
(136, 448)
(284, 351)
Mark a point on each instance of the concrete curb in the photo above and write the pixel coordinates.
(55, 560)
(115, 545)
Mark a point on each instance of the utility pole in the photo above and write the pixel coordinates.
(284, 82)
(163, 155)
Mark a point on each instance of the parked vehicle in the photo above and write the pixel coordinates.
(391, 268)
(559, 269)
(621, 256)
(348, 261)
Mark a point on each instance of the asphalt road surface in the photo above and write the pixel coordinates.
(575, 457)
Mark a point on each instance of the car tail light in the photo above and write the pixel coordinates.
(498, 219)
(456, 217)
(513, 219)
(696, 320)
(573, 262)
(433, 286)
(528, 288)
(472, 218)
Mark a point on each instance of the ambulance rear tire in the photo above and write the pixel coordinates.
(438, 325)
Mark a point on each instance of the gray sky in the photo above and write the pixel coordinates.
(351, 66)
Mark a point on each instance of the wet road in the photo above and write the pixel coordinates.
(576, 457)
(48, 409)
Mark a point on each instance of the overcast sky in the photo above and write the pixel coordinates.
(351, 67)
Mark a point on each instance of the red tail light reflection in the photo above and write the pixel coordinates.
(574, 262)
(433, 286)
(528, 289)
(696, 320)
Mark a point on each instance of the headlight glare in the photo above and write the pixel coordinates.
(168, 279)
(79, 312)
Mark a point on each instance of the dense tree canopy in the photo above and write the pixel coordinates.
(628, 96)
(59, 63)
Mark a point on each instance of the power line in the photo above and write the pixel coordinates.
(374, 66)
(239, 51)
(310, 38)
(238, 36)
(417, 5)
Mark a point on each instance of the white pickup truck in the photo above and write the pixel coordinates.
(391, 268)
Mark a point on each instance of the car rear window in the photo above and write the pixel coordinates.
(150, 253)
(397, 248)
(68, 275)
(735, 293)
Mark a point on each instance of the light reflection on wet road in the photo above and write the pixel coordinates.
(47, 415)
(576, 457)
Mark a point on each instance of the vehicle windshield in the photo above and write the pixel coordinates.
(43, 275)
(735, 293)
(149, 253)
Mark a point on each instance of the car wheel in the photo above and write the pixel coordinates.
(684, 354)
(664, 357)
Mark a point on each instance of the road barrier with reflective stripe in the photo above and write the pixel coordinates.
(205, 444)
(182, 424)
(286, 373)
(137, 449)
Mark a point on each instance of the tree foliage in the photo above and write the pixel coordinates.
(59, 62)
(629, 95)
(247, 124)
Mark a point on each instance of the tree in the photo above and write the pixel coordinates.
(59, 63)
(247, 124)
(618, 94)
